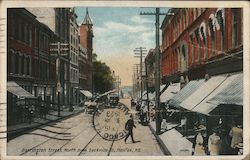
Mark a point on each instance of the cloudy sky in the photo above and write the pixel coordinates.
(117, 32)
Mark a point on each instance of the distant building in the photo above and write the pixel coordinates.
(86, 38)
(200, 41)
(74, 56)
(83, 63)
(150, 64)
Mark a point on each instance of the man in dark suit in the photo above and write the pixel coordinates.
(129, 126)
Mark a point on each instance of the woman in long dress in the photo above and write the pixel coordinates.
(199, 149)
(214, 144)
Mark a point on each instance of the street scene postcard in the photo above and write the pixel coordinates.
(127, 80)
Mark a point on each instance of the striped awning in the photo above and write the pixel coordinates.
(86, 93)
(17, 90)
(185, 92)
(223, 89)
(171, 91)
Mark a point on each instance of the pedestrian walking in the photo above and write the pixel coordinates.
(214, 144)
(129, 126)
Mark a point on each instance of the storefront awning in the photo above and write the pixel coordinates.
(229, 92)
(17, 90)
(204, 91)
(86, 93)
(172, 90)
(232, 94)
(152, 95)
(183, 94)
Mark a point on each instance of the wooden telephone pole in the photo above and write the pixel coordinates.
(157, 66)
(57, 50)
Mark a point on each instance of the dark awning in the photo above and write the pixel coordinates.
(17, 90)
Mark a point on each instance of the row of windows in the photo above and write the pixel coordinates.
(205, 41)
(19, 64)
(20, 30)
(182, 21)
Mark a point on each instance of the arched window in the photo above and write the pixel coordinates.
(9, 56)
(28, 65)
(16, 64)
(235, 23)
(220, 21)
(211, 28)
(22, 64)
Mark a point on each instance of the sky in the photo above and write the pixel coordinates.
(117, 32)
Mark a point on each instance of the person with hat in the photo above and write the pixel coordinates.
(129, 126)
(199, 142)
(214, 143)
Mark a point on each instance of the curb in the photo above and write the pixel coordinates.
(162, 145)
(29, 129)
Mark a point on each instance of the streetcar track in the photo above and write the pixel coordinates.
(112, 142)
(47, 140)
(89, 142)
(71, 139)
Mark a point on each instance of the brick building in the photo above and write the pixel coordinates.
(30, 65)
(85, 64)
(197, 41)
(58, 20)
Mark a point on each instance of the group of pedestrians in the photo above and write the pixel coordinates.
(215, 144)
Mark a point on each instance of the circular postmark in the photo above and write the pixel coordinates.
(109, 121)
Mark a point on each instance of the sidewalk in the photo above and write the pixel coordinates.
(172, 141)
(17, 129)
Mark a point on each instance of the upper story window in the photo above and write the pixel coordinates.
(235, 22)
(211, 28)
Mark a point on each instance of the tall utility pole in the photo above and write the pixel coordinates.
(147, 79)
(135, 69)
(118, 82)
(141, 52)
(157, 66)
(58, 48)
